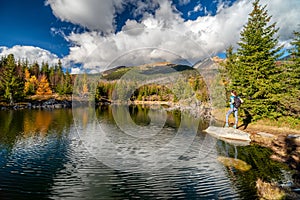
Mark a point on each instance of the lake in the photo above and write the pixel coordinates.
(120, 152)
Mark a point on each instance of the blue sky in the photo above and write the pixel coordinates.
(99, 33)
(29, 22)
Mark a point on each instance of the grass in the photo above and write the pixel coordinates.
(288, 122)
(268, 190)
(282, 124)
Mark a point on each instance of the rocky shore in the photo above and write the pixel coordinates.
(38, 104)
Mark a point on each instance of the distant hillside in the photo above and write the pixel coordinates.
(161, 68)
(152, 82)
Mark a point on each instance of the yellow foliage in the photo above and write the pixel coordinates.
(30, 83)
(27, 74)
(39, 122)
(233, 162)
(268, 190)
(43, 87)
(85, 89)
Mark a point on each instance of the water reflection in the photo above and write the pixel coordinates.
(43, 154)
(125, 145)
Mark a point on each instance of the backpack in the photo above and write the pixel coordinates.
(237, 102)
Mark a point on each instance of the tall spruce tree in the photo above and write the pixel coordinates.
(11, 83)
(290, 103)
(255, 75)
(294, 66)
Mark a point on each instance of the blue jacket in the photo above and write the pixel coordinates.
(231, 101)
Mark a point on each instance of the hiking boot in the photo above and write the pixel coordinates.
(234, 126)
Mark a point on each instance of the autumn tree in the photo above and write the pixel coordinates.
(43, 87)
(30, 83)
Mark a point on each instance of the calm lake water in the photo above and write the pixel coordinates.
(116, 152)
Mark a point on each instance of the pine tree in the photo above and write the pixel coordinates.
(45, 69)
(290, 103)
(11, 83)
(35, 69)
(230, 71)
(68, 85)
(255, 75)
(294, 66)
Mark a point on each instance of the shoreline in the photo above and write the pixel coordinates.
(284, 141)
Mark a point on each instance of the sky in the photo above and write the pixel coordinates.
(94, 35)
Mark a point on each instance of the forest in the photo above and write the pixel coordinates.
(21, 80)
(268, 83)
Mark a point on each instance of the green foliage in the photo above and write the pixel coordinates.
(19, 79)
(190, 85)
(182, 90)
(11, 79)
(116, 74)
(65, 85)
(252, 70)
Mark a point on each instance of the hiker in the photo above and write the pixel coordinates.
(235, 102)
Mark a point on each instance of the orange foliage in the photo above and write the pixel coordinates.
(27, 74)
(85, 89)
(30, 83)
(39, 122)
(43, 86)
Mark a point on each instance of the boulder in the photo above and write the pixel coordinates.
(228, 133)
(234, 162)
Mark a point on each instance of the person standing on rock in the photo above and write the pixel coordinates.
(235, 102)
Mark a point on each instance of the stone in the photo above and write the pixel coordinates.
(228, 133)
(267, 135)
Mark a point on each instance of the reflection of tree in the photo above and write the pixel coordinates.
(39, 124)
(84, 115)
(31, 123)
(261, 166)
(35, 161)
(10, 127)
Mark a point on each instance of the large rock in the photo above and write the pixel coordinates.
(234, 162)
(228, 133)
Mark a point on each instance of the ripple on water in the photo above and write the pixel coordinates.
(59, 166)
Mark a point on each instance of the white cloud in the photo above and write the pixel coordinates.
(196, 9)
(32, 54)
(92, 14)
(165, 32)
(76, 71)
(286, 14)
(184, 2)
(162, 36)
